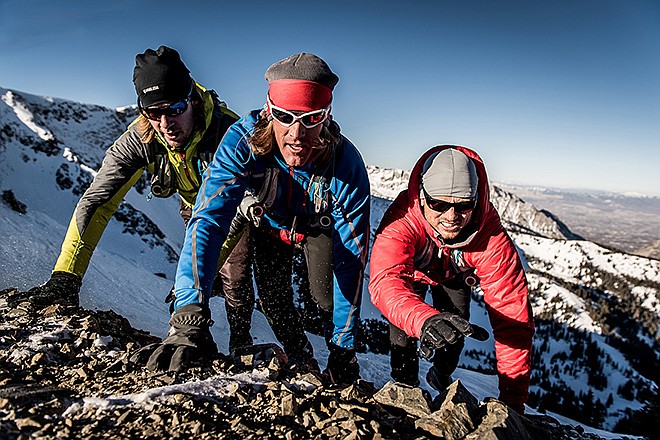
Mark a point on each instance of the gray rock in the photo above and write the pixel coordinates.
(500, 423)
(457, 416)
(288, 405)
(404, 397)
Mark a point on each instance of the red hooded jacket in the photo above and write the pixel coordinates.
(407, 249)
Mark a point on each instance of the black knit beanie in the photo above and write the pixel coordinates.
(161, 77)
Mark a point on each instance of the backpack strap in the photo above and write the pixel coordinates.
(163, 183)
(222, 119)
(462, 269)
(268, 191)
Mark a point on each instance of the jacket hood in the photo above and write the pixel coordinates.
(483, 194)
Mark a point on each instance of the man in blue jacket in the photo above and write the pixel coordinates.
(306, 186)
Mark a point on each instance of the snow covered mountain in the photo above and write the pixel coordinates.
(596, 356)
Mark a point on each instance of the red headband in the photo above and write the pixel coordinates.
(298, 94)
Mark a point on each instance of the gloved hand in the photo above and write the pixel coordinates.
(189, 341)
(169, 299)
(342, 367)
(446, 328)
(62, 288)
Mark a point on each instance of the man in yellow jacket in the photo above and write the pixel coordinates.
(175, 136)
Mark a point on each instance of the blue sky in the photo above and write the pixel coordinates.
(563, 94)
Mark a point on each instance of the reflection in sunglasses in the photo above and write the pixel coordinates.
(155, 113)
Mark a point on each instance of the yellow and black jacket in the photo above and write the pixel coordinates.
(124, 163)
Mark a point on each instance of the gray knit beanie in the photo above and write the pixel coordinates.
(301, 82)
(450, 173)
(303, 66)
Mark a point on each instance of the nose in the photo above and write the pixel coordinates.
(451, 213)
(297, 130)
(164, 121)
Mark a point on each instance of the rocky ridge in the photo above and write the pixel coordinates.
(65, 373)
(651, 251)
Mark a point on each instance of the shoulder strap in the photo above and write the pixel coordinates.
(224, 116)
(320, 191)
(266, 194)
(319, 185)
(462, 269)
(163, 184)
(222, 119)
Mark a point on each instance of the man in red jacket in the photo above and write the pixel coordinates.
(444, 234)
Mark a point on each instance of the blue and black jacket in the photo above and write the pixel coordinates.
(236, 169)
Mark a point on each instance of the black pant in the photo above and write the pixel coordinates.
(234, 282)
(452, 296)
(273, 270)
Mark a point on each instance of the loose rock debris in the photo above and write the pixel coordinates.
(65, 373)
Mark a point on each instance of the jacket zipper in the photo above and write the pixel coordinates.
(290, 192)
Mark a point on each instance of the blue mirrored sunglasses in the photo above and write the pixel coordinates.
(155, 113)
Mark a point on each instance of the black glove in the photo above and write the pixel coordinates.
(169, 299)
(189, 341)
(446, 328)
(342, 367)
(62, 288)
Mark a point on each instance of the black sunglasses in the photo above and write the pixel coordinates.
(442, 206)
(155, 113)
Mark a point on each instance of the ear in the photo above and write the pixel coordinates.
(422, 197)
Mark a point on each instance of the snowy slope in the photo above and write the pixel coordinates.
(50, 149)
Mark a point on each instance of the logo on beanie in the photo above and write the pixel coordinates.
(150, 89)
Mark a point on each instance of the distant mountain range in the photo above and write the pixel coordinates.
(597, 351)
(630, 223)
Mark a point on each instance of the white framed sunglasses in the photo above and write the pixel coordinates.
(308, 119)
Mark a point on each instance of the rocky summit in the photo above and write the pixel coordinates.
(66, 372)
